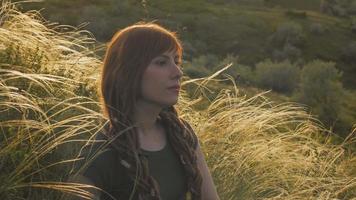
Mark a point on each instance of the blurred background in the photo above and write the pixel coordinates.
(301, 50)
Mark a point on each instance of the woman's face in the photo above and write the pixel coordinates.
(161, 80)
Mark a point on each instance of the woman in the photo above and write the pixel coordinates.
(147, 152)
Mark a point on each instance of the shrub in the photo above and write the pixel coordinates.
(281, 77)
(340, 11)
(316, 28)
(349, 52)
(321, 89)
(289, 52)
(200, 66)
(99, 22)
(241, 73)
(353, 25)
(341, 8)
(351, 9)
(288, 33)
(194, 70)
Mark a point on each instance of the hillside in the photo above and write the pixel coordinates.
(252, 31)
(243, 28)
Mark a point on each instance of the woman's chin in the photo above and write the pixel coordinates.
(170, 103)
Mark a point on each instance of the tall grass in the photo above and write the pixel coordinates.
(43, 110)
(259, 150)
(49, 109)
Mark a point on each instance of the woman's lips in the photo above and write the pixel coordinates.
(175, 88)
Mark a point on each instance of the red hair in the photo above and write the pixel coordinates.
(129, 53)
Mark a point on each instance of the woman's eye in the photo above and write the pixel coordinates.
(165, 62)
(161, 62)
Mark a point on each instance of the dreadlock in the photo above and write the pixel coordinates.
(183, 140)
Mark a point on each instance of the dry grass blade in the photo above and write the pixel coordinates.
(259, 150)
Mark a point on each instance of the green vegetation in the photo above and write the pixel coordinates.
(342, 8)
(321, 89)
(222, 27)
(295, 4)
(256, 147)
(280, 77)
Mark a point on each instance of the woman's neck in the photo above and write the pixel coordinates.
(145, 117)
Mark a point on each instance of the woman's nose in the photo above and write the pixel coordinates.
(177, 71)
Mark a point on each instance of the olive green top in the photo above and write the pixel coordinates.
(107, 172)
(164, 165)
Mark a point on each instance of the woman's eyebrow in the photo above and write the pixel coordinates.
(165, 56)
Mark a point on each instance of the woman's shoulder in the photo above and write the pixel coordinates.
(97, 161)
(96, 153)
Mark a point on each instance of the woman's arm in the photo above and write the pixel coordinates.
(208, 189)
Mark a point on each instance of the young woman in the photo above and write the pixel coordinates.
(147, 150)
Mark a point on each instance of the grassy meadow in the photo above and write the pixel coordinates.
(257, 36)
(256, 148)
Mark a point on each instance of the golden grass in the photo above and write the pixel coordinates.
(259, 150)
(255, 149)
(41, 72)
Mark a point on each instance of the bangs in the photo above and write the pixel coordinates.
(167, 43)
(144, 42)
